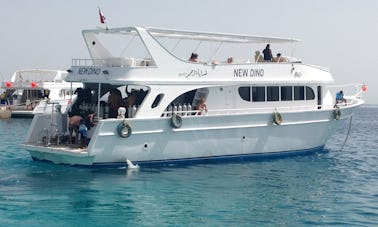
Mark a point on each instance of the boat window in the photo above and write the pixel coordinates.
(189, 97)
(286, 93)
(298, 93)
(245, 93)
(272, 93)
(310, 94)
(157, 100)
(258, 94)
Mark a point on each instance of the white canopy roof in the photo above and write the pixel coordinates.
(201, 36)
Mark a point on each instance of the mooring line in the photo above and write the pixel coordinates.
(346, 138)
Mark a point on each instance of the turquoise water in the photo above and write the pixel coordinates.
(324, 189)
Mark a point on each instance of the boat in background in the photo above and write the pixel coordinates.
(175, 110)
(5, 112)
(31, 91)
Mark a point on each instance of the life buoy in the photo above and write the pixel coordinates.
(176, 121)
(337, 113)
(277, 118)
(124, 129)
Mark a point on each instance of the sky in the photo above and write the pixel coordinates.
(341, 35)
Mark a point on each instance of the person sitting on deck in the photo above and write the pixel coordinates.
(340, 97)
(194, 57)
(229, 60)
(258, 57)
(74, 123)
(280, 58)
(202, 107)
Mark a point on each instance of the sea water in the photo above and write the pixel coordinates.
(328, 188)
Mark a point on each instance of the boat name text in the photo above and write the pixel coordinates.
(89, 71)
(194, 73)
(248, 72)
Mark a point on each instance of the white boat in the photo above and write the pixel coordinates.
(5, 112)
(253, 108)
(32, 91)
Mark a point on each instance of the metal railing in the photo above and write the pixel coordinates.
(113, 62)
(239, 111)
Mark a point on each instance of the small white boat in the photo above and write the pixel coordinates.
(32, 91)
(253, 108)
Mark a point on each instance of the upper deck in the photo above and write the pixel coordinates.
(153, 55)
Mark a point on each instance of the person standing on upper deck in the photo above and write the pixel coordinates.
(268, 56)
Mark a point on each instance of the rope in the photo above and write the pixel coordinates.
(346, 138)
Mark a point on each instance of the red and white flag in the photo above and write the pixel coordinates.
(102, 17)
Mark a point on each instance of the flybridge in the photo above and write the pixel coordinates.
(143, 46)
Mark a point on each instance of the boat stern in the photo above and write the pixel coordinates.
(59, 155)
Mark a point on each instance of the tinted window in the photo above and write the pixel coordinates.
(245, 93)
(298, 93)
(258, 94)
(286, 93)
(157, 100)
(310, 95)
(272, 93)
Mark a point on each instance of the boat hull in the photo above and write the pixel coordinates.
(199, 139)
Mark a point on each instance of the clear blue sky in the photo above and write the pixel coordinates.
(339, 34)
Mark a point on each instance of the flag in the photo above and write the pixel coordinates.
(102, 18)
(364, 88)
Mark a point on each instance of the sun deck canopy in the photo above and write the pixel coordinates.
(194, 35)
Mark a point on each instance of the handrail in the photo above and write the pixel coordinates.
(246, 110)
(113, 62)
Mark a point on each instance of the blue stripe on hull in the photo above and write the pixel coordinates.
(215, 159)
(207, 160)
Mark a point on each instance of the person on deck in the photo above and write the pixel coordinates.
(3, 98)
(268, 56)
(202, 107)
(74, 124)
(114, 101)
(340, 97)
(194, 57)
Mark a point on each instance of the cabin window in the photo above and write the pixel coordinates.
(157, 100)
(272, 93)
(191, 97)
(286, 93)
(245, 93)
(310, 94)
(299, 93)
(258, 94)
